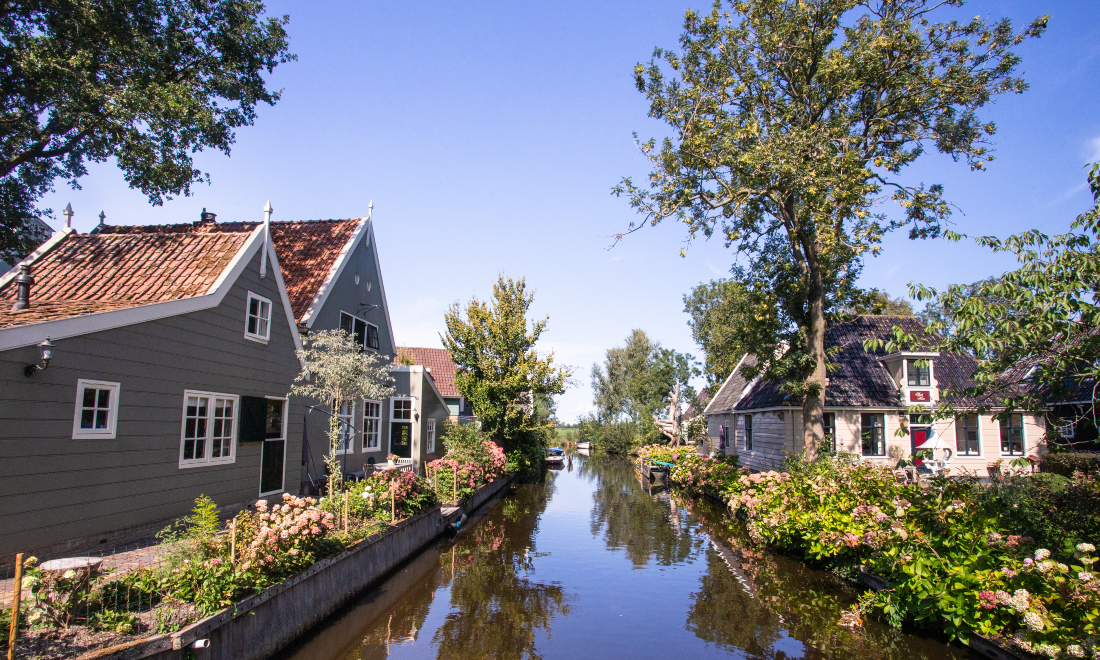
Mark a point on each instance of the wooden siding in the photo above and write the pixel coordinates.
(347, 296)
(56, 489)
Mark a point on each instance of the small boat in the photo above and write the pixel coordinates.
(555, 457)
(584, 445)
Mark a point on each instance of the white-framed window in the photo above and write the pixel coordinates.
(748, 432)
(401, 409)
(96, 409)
(873, 434)
(431, 436)
(356, 327)
(919, 372)
(372, 337)
(372, 424)
(208, 436)
(257, 323)
(1066, 429)
(273, 454)
(346, 415)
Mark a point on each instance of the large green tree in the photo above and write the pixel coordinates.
(635, 380)
(790, 121)
(1036, 329)
(145, 82)
(499, 371)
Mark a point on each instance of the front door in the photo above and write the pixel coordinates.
(920, 436)
(401, 439)
(273, 456)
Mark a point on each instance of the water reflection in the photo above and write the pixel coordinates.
(594, 562)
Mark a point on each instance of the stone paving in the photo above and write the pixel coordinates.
(124, 562)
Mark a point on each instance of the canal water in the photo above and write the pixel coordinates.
(592, 563)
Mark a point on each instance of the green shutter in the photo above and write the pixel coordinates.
(253, 412)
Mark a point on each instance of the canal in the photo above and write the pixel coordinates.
(590, 563)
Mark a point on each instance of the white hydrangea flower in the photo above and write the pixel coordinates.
(1049, 650)
(1044, 566)
(1084, 576)
(1075, 651)
(1041, 554)
(1033, 621)
(1063, 568)
(1086, 547)
(69, 574)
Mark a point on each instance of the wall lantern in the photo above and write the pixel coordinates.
(47, 353)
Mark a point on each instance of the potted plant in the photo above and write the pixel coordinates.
(392, 458)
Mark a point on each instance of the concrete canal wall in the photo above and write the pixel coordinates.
(260, 625)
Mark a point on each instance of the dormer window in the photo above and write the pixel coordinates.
(258, 321)
(919, 376)
(365, 335)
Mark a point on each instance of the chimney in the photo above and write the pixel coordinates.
(23, 282)
(206, 217)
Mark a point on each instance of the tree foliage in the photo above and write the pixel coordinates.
(337, 371)
(501, 374)
(791, 122)
(1034, 329)
(635, 380)
(145, 82)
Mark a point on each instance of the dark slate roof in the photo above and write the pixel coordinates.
(730, 392)
(859, 378)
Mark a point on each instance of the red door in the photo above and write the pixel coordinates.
(920, 436)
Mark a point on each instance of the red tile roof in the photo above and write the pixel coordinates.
(438, 360)
(88, 273)
(307, 249)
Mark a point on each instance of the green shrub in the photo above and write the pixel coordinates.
(1068, 462)
(617, 438)
(1057, 512)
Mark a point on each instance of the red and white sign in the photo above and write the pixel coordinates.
(920, 396)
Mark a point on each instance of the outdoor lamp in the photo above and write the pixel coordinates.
(47, 352)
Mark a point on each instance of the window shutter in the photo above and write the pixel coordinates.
(253, 412)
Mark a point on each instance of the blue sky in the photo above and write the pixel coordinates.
(489, 135)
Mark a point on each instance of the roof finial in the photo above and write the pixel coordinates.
(267, 238)
(68, 213)
(102, 217)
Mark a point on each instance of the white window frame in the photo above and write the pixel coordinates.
(363, 345)
(209, 439)
(393, 409)
(262, 337)
(1064, 425)
(112, 410)
(366, 338)
(283, 439)
(349, 418)
(377, 433)
(431, 436)
(746, 428)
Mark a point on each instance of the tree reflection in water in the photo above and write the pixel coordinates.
(497, 610)
(629, 518)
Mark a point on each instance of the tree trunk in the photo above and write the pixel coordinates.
(813, 403)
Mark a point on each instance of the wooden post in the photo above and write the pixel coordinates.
(17, 596)
(345, 512)
(454, 494)
(233, 542)
(393, 507)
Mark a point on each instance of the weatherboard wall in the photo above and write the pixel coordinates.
(55, 489)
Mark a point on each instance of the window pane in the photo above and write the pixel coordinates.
(253, 307)
(200, 427)
(189, 428)
(263, 328)
(104, 399)
(86, 418)
(101, 419)
(188, 450)
(372, 337)
(89, 397)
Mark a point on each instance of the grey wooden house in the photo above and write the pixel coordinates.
(334, 280)
(170, 358)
